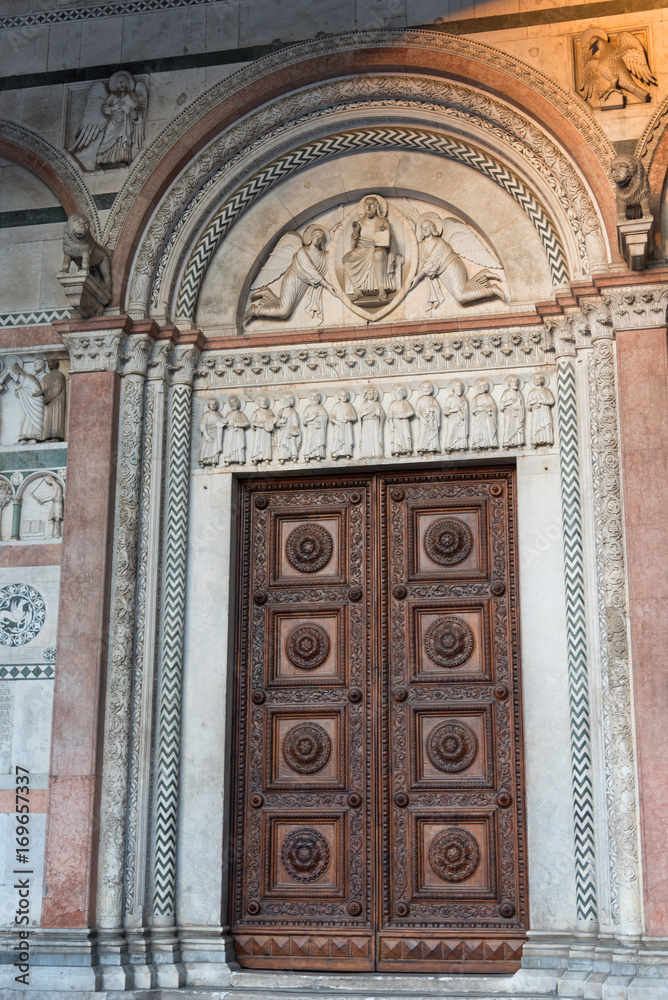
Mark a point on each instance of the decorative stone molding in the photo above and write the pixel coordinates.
(85, 294)
(566, 104)
(635, 242)
(649, 141)
(503, 348)
(618, 736)
(637, 308)
(94, 352)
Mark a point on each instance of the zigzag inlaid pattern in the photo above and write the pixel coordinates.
(169, 737)
(335, 145)
(581, 763)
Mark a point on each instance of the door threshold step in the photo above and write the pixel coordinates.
(395, 984)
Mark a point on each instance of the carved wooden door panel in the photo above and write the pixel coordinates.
(453, 854)
(302, 878)
(378, 794)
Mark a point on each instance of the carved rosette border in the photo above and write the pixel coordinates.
(391, 137)
(576, 628)
(617, 708)
(171, 638)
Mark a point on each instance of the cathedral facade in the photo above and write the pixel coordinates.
(333, 418)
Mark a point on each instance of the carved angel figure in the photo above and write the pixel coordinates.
(539, 403)
(343, 416)
(619, 66)
(118, 115)
(288, 434)
(456, 412)
(514, 413)
(302, 264)
(441, 245)
(483, 419)
(263, 422)
(315, 423)
(235, 433)
(399, 414)
(429, 419)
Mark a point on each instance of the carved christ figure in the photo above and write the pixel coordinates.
(288, 434)
(429, 420)
(372, 415)
(235, 433)
(263, 422)
(211, 429)
(343, 416)
(539, 403)
(302, 263)
(441, 264)
(399, 414)
(483, 421)
(514, 413)
(315, 423)
(456, 413)
(372, 264)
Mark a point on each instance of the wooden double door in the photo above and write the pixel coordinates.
(378, 802)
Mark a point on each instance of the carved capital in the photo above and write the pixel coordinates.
(182, 364)
(561, 331)
(638, 308)
(94, 352)
(158, 362)
(598, 320)
(136, 353)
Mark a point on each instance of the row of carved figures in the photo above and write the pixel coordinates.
(281, 434)
(41, 394)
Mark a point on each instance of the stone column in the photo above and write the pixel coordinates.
(112, 947)
(71, 854)
(578, 679)
(166, 947)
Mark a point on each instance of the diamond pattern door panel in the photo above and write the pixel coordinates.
(453, 844)
(302, 877)
(378, 794)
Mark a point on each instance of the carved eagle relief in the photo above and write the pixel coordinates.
(614, 66)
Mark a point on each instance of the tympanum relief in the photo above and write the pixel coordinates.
(377, 421)
(368, 258)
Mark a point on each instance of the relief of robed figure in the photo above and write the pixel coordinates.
(301, 262)
(373, 264)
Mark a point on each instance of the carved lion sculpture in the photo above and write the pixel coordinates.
(80, 246)
(631, 188)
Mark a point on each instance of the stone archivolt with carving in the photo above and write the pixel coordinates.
(368, 258)
(374, 422)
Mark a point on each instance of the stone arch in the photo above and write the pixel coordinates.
(652, 151)
(159, 170)
(54, 167)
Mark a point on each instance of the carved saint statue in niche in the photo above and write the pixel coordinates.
(302, 264)
(429, 420)
(234, 449)
(50, 492)
(539, 403)
(441, 264)
(53, 389)
(211, 428)
(399, 414)
(30, 395)
(372, 265)
(263, 422)
(514, 414)
(372, 415)
(315, 424)
(456, 413)
(343, 416)
(117, 114)
(483, 418)
(288, 434)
